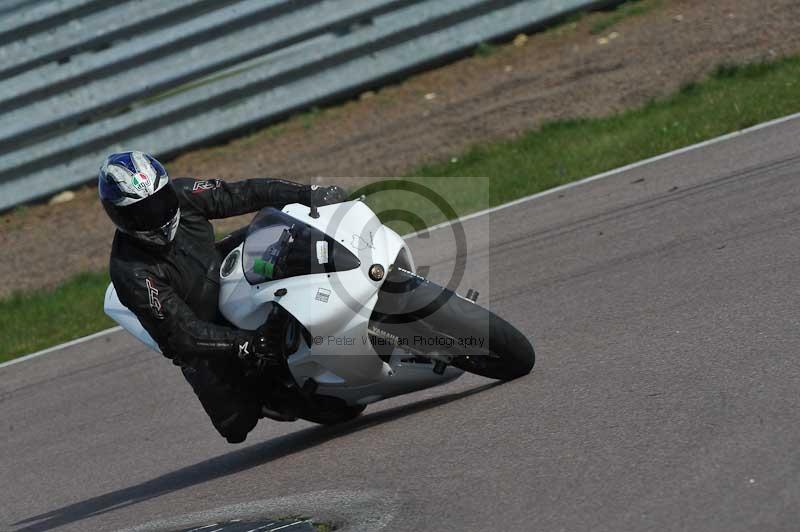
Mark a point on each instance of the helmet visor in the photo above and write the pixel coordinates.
(149, 214)
(161, 236)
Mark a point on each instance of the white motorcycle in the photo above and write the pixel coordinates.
(362, 327)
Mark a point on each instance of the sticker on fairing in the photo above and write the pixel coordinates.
(361, 243)
(322, 252)
(323, 294)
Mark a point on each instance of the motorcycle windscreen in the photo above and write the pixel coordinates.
(279, 246)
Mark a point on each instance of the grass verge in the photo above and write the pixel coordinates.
(734, 97)
(35, 320)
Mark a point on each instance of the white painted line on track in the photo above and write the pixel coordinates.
(609, 173)
(484, 212)
(61, 346)
(287, 526)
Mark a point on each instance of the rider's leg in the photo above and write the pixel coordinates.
(232, 413)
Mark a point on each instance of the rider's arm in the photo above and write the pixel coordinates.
(218, 199)
(172, 324)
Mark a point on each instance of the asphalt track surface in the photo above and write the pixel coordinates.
(663, 304)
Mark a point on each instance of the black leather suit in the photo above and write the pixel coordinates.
(173, 290)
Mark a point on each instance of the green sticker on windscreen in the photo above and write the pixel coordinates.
(262, 267)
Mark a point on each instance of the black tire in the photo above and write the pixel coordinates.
(440, 315)
(510, 354)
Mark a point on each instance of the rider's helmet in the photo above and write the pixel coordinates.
(136, 193)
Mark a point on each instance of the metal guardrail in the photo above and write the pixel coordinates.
(186, 72)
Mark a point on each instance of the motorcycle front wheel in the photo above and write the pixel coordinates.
(430, 318)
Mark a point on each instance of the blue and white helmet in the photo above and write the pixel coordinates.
(136, 193)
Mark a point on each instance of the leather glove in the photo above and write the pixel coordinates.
(320, 196)
(266, 348)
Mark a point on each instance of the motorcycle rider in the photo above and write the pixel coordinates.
(165, 268)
